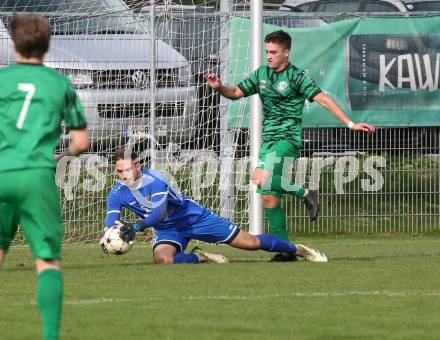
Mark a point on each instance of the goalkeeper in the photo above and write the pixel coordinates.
(283, 89)
(178, 219)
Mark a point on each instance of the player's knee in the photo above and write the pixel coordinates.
(250, 243)
(163, 259)
(260, 176)
(246, 241)
(45, 264)
(253, 242)
(270, 201)
(257, 179)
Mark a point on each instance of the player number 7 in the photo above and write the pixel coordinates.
(30, 90)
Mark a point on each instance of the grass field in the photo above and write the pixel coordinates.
(374, 287)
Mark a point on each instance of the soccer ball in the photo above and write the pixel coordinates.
(114, 243)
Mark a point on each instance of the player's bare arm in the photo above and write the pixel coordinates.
(79, 143)
(330, 105)
(230, 92)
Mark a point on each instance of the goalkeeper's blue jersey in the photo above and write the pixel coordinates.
(154, 192)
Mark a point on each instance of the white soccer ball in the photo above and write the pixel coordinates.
(114, 243)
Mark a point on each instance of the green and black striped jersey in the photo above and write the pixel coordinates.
(34, 100)
(283, 95)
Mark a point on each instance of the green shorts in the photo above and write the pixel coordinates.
(272, 157)
(30, 198)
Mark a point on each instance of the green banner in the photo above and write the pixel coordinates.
(383, 71)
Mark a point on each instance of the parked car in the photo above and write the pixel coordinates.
(195, 30)
(422, 5)
(352, 6)
(345, 6)
(106, 57)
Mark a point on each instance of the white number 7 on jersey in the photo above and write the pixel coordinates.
(30, 90)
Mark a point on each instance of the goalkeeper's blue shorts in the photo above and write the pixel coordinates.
(211, 229)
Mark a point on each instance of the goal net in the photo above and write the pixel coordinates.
(129, 71)
(141, 82)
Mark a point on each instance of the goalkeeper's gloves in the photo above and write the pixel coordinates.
(128, 230)
(102, 242)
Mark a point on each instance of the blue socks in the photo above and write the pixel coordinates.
(267, 242)
(185, 258)
(274, 244)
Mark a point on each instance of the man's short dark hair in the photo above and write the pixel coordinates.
(30, 34)
(281, 38)
(124, 154)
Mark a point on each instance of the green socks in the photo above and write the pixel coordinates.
(50, 300)
(277, 222)
(281, 184)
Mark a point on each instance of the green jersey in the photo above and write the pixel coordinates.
(34, 99)
(283, 95)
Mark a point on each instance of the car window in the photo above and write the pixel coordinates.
(424, 6)
(114, 18)
(306, 7)
(338, 6)
(379, 6)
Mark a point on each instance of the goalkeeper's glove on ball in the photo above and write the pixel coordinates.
(128, 231)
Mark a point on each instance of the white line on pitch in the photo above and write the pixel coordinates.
(385, 293)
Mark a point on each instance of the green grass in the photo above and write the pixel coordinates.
(374, 287)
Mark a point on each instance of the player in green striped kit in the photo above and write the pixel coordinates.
(34, 100)
(283, 89)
